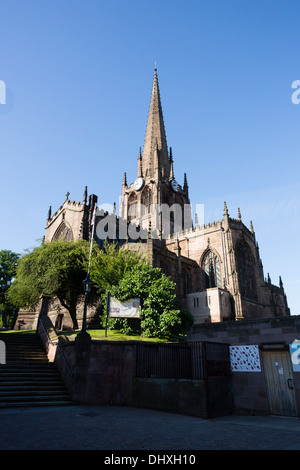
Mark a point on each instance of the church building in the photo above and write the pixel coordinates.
(217, 267)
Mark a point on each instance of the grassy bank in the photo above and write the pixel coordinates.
(112, 335)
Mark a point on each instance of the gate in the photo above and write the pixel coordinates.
(218, 379)
(171, 360)
(280, 385)
(195, 361)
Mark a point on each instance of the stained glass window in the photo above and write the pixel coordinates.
(212, 270)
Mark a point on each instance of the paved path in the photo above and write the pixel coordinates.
(123, 428)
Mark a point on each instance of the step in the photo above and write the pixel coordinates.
(30, 387)
(20, 340)
(35, 404)
(27, 358)
(26, 366)
(31, 352)
(4, 395)
(29, 373)
(28, 378)
(37, 382)
(37, 365)
(33, 398)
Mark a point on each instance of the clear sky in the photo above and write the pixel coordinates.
(78, 78)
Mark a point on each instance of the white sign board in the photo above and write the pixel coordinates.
(124, 309)
(245, 358)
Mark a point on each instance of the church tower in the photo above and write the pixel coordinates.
(155, 200)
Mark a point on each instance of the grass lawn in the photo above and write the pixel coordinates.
(17, 331)
(112, 335)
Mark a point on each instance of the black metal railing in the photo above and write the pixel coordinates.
(172, 360)
(191, 360)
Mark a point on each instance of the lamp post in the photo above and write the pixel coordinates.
(87, 285)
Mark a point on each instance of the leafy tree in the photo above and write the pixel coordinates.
(160, 317)
(110, 264)
(8, 265)
(56, 268)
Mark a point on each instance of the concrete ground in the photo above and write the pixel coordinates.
(124, 429)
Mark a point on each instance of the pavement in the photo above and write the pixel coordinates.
(122, 429)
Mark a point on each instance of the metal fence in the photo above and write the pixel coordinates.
(196, 360)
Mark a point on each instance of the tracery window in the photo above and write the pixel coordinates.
(245, 269)
(212, 270)
(132, 207)
(63, 231)
(146, 200)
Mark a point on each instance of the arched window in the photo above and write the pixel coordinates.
(63, 231)
(211, 267)
(245, 269)
(132, 207)
(146, 200)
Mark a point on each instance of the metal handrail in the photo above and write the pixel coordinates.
(57, 344)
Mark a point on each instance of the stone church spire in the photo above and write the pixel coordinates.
(155, 138)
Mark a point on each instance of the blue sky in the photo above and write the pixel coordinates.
(78, 80)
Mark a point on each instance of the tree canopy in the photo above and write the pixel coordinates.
(8, 266)
(58, 268)
(160, 315)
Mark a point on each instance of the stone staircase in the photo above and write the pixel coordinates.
(28, 378)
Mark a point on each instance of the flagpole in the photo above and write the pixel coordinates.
(92, 238)
(107, 311)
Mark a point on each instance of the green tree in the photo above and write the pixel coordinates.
(110, 264)
(57, 269)
(8, 266)
(160, 315)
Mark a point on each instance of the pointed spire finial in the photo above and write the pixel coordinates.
(239, 214)
(185, 183)
(85, 195)
(140, 164)
(150, 230)
(280, 283)
(49, 213)
(251, 226)
(269, 279)
(125, 179)
(225, 208)
(171, 171)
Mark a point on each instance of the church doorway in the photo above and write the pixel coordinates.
(280, 384)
